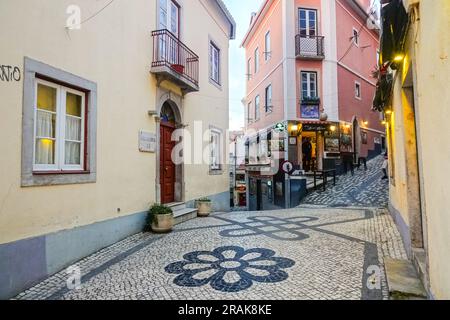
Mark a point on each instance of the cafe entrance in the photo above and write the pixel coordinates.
(318, 141)
(311, 151)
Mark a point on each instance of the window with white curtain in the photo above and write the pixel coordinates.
(59, 128)
(216, 152)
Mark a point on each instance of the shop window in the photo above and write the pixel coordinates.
(252, 187)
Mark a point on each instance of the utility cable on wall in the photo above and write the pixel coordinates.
(352, 39)
(77, 26)
(98, 12)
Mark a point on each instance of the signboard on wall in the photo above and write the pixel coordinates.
(147, 141)
(315, 127)
(309, 111)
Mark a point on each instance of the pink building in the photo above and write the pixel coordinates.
(309, 67)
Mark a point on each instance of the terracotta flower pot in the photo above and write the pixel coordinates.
(162, 223)
(204, 208)
(178, 68)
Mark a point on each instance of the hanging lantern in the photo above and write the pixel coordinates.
(323, 116)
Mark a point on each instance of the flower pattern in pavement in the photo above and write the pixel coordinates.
(229, 269)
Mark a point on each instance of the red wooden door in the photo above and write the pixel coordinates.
(167, 167)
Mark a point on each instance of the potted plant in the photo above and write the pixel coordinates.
(310, 100)
(160, 219)
(204, 206)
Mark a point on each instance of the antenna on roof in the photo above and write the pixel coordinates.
(252, 18)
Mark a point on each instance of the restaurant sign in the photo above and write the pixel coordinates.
(315, 127)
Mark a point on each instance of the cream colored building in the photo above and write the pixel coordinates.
(418, 117)
(87, 110)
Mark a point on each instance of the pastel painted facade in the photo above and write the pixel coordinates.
(418, 139)
(53, 213)
(315, 78)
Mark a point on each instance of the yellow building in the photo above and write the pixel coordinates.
(416, 107)
(90, 96)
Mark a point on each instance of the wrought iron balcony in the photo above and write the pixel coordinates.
(174, 61)
(309, 47)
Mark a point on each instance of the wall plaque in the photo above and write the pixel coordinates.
(147, 141)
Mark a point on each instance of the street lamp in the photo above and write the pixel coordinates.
(399, 57)
(294, 130)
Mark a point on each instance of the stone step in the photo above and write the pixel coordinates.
(403, 280)
(183, 215)
(419, 260)
(175, 206)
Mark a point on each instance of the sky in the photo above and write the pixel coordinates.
(241, 11)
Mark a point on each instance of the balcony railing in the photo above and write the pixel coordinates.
(309, 47)
(174, 60)
(310, 100)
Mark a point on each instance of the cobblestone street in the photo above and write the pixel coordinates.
(304, 253)
(363, 189)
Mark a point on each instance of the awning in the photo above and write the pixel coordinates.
(394, 20)
(318, 122)
(395, 24)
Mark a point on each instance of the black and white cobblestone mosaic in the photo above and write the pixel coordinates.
(363, 189)
(304, 253)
